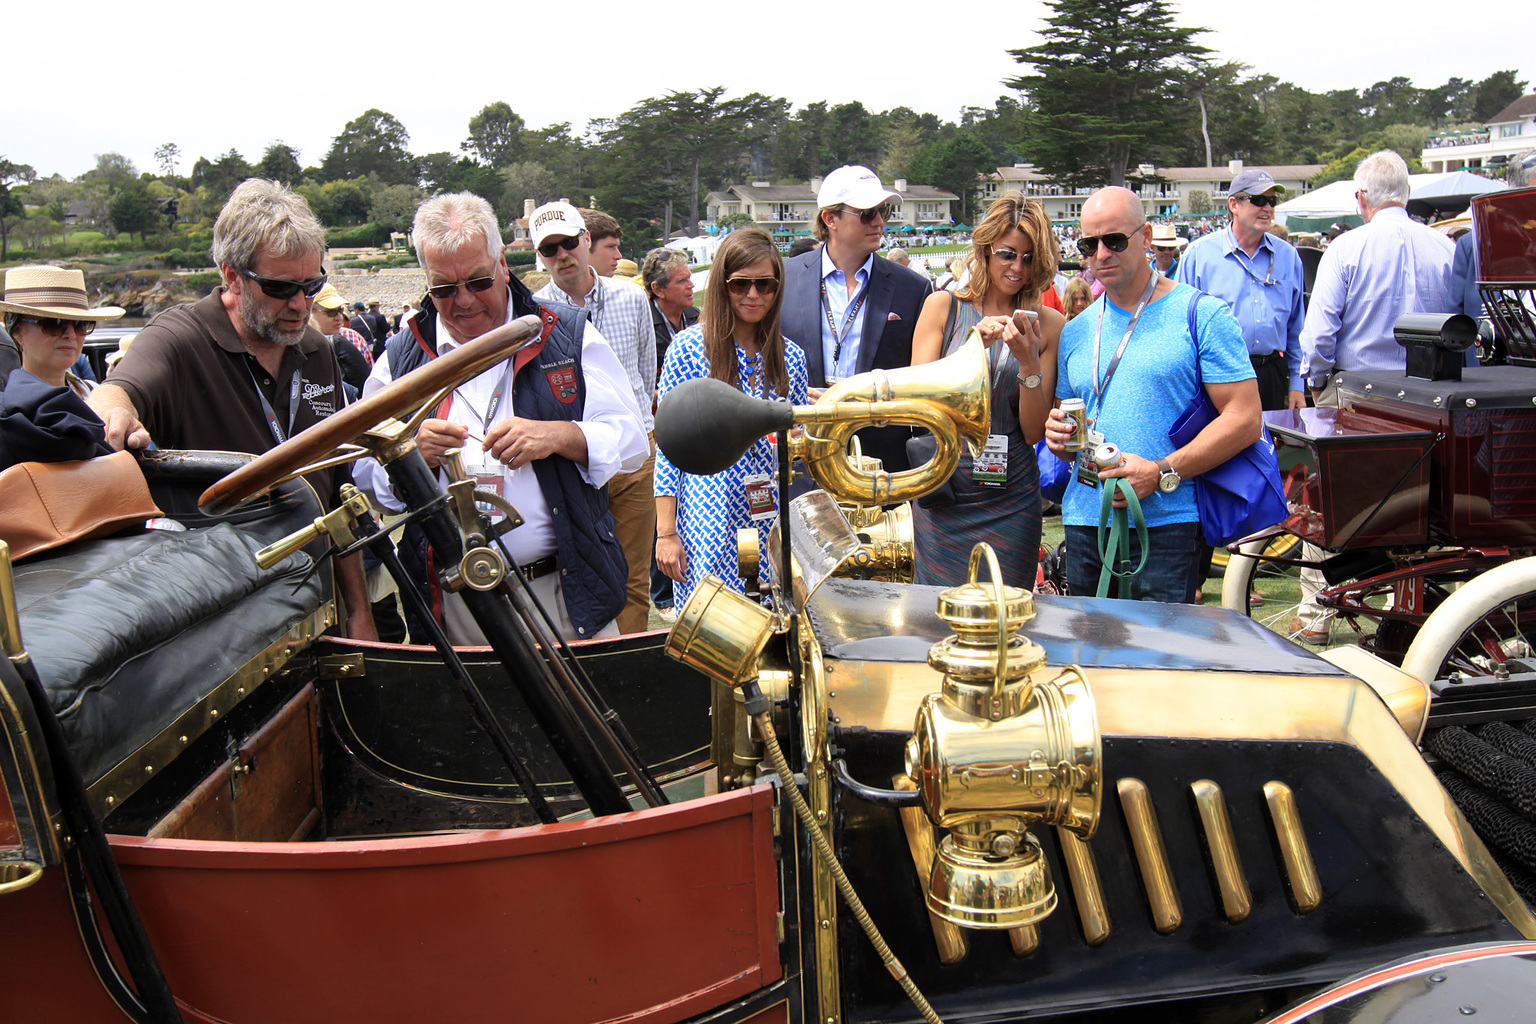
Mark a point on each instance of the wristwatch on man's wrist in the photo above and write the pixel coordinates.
(1319, 381)
(1169, 481)
(1031, 380)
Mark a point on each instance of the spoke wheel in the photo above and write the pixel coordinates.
(1277, 583)
(1484, 626)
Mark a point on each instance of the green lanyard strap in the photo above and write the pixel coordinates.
(1120, 537)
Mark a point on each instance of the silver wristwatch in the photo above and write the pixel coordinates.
(1169, 481)
(1031, 381)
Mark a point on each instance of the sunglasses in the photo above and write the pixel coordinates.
(742, 285)
(1008, 256)
(548, 249)
(277, 288)
(1115, 241)
(883, 211)
(1262, 201)
(55, 327)
(448, 291)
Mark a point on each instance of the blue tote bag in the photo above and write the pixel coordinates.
(1242, 495)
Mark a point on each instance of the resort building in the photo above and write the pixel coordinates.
(1509, 133)
(1164, 191)
(790, 208)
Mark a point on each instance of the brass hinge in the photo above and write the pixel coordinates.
(343, 666)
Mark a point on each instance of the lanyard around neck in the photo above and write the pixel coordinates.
(1130, 328)
(295, 388)
(848, 319)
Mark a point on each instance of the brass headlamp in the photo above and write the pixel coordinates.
(996, 751)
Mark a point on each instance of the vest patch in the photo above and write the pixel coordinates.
(562, 380)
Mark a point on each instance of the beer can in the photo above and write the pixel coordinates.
(1107, 456)
(1076, 411)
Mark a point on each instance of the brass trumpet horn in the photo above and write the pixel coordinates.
(951, 398)
(703, 426)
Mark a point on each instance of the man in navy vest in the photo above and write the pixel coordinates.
(557, 421)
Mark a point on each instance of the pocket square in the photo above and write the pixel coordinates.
(892, 316)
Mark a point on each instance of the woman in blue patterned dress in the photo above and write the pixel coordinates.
(1012, 261)
(737, 340)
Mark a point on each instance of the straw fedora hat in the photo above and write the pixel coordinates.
(1164, 237)
(52, 292)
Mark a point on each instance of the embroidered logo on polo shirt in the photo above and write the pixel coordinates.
(312, 392)
(562, 380)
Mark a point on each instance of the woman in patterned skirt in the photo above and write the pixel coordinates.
(1012, 260)
(737, 340)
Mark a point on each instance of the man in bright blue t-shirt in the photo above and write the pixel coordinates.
(1134, 404)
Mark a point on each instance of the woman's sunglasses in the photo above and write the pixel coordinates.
(476, 285)
(742, 285)
(1115, 241)
(1008, 256)
(277, 288)
(55, 327)
(548, 249)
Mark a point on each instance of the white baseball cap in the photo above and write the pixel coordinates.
(855, 186)
(556, 218)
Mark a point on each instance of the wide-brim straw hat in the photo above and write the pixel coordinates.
(52, 292)
(1165, 237)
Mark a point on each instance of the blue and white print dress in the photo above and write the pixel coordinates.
(710, 509)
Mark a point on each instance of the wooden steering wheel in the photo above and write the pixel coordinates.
(319, 442)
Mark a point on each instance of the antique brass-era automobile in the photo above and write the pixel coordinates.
(852, 800)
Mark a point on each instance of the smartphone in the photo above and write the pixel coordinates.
(1028, 314)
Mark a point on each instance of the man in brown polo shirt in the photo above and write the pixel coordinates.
(242, 370)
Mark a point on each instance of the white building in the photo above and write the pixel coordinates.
(1508, 133)
(791, 208)
(1168, 192)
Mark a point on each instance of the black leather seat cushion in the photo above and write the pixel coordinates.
(129, 632)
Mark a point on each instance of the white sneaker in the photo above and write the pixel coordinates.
(667, 614)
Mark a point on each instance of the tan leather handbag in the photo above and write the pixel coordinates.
(44, 505)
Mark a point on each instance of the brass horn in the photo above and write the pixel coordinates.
(951, 398)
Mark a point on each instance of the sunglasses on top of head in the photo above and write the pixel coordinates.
(277, 288)
(1262, 201)
(1115, 241)
(476, 285)
(883, 211)
(548, 249)
(742, 285)
(55, 327)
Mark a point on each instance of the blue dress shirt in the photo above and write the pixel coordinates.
(842, 362)
(1265, 292)
(1367, 279)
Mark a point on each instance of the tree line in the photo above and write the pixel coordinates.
(1113, 85)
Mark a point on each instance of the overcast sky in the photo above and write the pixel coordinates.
(93, 78)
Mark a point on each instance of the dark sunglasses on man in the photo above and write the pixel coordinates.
(548, 249)
(765, 286)
(277, 288)
(883, 211)
(443, 292)
(55, 327)
(1115, 241)
(1262, 201)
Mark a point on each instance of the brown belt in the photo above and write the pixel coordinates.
(541, 567)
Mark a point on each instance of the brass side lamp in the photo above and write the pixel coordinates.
(996, 751)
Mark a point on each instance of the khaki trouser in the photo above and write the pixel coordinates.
(632, 500)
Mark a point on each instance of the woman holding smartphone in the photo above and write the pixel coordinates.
(996, 499)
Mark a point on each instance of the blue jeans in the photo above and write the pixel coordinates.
(1172, 572)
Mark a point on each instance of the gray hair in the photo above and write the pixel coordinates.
(262, 214)
(1383, 177)
(657, 269)
(445, 224)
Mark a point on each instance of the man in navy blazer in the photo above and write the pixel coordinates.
(850, 310)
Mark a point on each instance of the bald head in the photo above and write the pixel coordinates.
(1114, 201)
(1113, 217)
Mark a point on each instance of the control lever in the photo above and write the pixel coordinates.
(339, 524)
